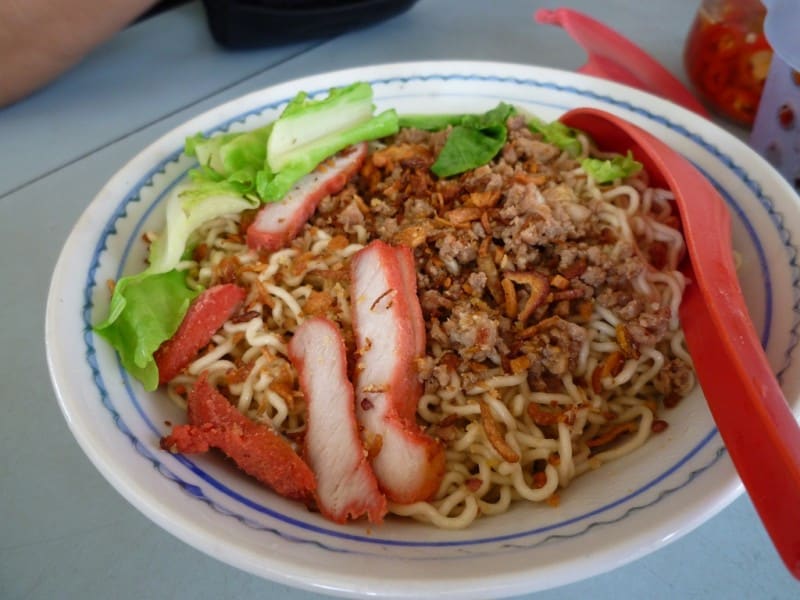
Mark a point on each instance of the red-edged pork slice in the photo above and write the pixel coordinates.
(205, 316)
(385, 296)
(346, 485)
(408, 269)
(255, 448)
(409, 464)
(277, 223)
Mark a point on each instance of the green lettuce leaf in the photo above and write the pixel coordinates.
(468, 148)
(269, 160)
(606, 171)
(473, 142)
(188, 207)
(235, 158)
(306, 125)
(245, 151)
(491, 118)
(557, 134)
(431, 122)
(146, 310)
(272, 186)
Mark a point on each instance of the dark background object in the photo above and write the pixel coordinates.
(161, 7)
(259, 23)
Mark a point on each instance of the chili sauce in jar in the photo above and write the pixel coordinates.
(727, 57)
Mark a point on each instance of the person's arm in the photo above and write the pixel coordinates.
(40, 39)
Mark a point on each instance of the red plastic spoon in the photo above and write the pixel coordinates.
(615, 57)
(751, 413)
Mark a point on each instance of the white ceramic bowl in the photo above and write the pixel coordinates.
(606, 518)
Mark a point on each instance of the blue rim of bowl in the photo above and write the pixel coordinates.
(197, 492)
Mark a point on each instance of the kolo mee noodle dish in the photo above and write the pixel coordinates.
(409, 335)
(409, 316)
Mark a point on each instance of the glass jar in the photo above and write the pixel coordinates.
(727, 57)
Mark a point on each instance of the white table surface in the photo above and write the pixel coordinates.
(64, 531)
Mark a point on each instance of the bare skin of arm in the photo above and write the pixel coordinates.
(40, 39)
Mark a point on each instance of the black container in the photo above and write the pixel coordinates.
(261, 23)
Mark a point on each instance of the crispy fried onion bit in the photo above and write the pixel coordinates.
(494, 434)
(539, 288)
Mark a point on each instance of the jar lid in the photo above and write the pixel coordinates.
(781, 28)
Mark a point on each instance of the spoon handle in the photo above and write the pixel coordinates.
(759, 430)
(613, 56)
(754, 419)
